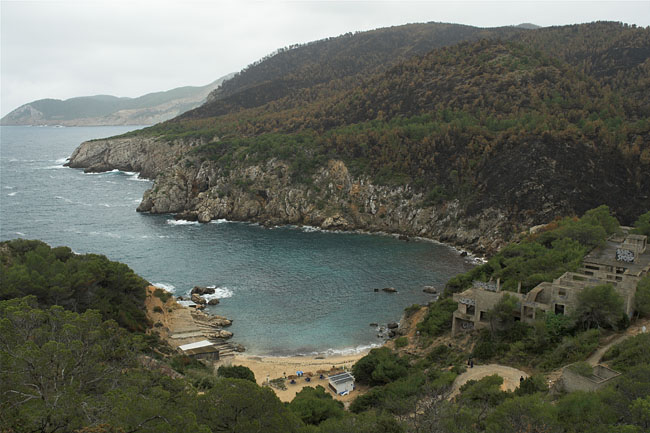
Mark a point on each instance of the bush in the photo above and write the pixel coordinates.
(315, 405)
(379, 366)
(401, 342)
(572, 349)
(438, 318)
(629, 353)
(182, 363)
(599, 306)
(531, 385)
(582, 368)
(163, 295)
(236, 372)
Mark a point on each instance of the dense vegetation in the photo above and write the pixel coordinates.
(557, 248)
(66, 370)
(493, 123)
(57, 276)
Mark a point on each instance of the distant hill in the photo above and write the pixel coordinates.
(528, 26)
(111, 110)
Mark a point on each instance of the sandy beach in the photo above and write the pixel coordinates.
(276, 367)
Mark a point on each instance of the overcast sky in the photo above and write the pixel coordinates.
(62, 49)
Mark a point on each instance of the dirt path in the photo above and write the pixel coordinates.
(634, 329)
(511, 377)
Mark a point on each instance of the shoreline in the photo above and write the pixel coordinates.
(267, 368)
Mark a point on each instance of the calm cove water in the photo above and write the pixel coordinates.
(289, 290)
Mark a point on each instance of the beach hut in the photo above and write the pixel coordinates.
(341, 383)
(203, 349)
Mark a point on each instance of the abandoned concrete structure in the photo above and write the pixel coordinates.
(574, 381)
(203, 349)
(621, 262)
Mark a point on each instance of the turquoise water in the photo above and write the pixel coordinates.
(289, 290)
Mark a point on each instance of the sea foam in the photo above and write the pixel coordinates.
(165, 286)
(182, 223)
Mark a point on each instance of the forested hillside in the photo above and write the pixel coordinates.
(57, 276)
(462, 134)
(495, 124)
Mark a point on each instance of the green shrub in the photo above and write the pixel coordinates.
(582, 368)
(236, 372)
(438, 318)
(380, 366)
(629, 353)
(163, 295)
(401, 342)
(315, 405)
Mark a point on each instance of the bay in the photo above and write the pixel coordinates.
(290, 290)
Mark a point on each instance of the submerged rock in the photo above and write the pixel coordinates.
(430, 289)
(197, 299)
(199, 290)
(389, 290)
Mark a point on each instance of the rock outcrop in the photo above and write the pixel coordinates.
(265, 193)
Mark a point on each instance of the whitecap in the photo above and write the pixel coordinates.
(310, 229)
(62, 160)
(219, 221)
(219, 293)
(182, 222)
(9, 187)
(165, 286)
(350, 350)
(104, 172)
(185, 303)
(105, 204)
(11, 194)
(20, 234)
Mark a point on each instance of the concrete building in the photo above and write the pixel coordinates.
(203, 349)
(341, 383)
(574, 381)
(621, 262)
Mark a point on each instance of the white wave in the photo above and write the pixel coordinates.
(137, 178)
(165, 286)
(219, 293)
(106, 234)
(350, 350)
(53, 167)
(182, 222)
(185, 303)
(20, 234)
(9, 187)
(13, 160)
(105, 204)
(310, 229)
(130, 173)
(11, 194)
(219, 221)
(104, 172)
(62, 160)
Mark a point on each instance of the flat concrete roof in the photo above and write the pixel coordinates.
(606, 255)
(195, 345)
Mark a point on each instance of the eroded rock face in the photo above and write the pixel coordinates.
(265, 193)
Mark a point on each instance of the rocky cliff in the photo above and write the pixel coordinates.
(265, 193)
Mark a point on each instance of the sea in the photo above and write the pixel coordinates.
(289, 290)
